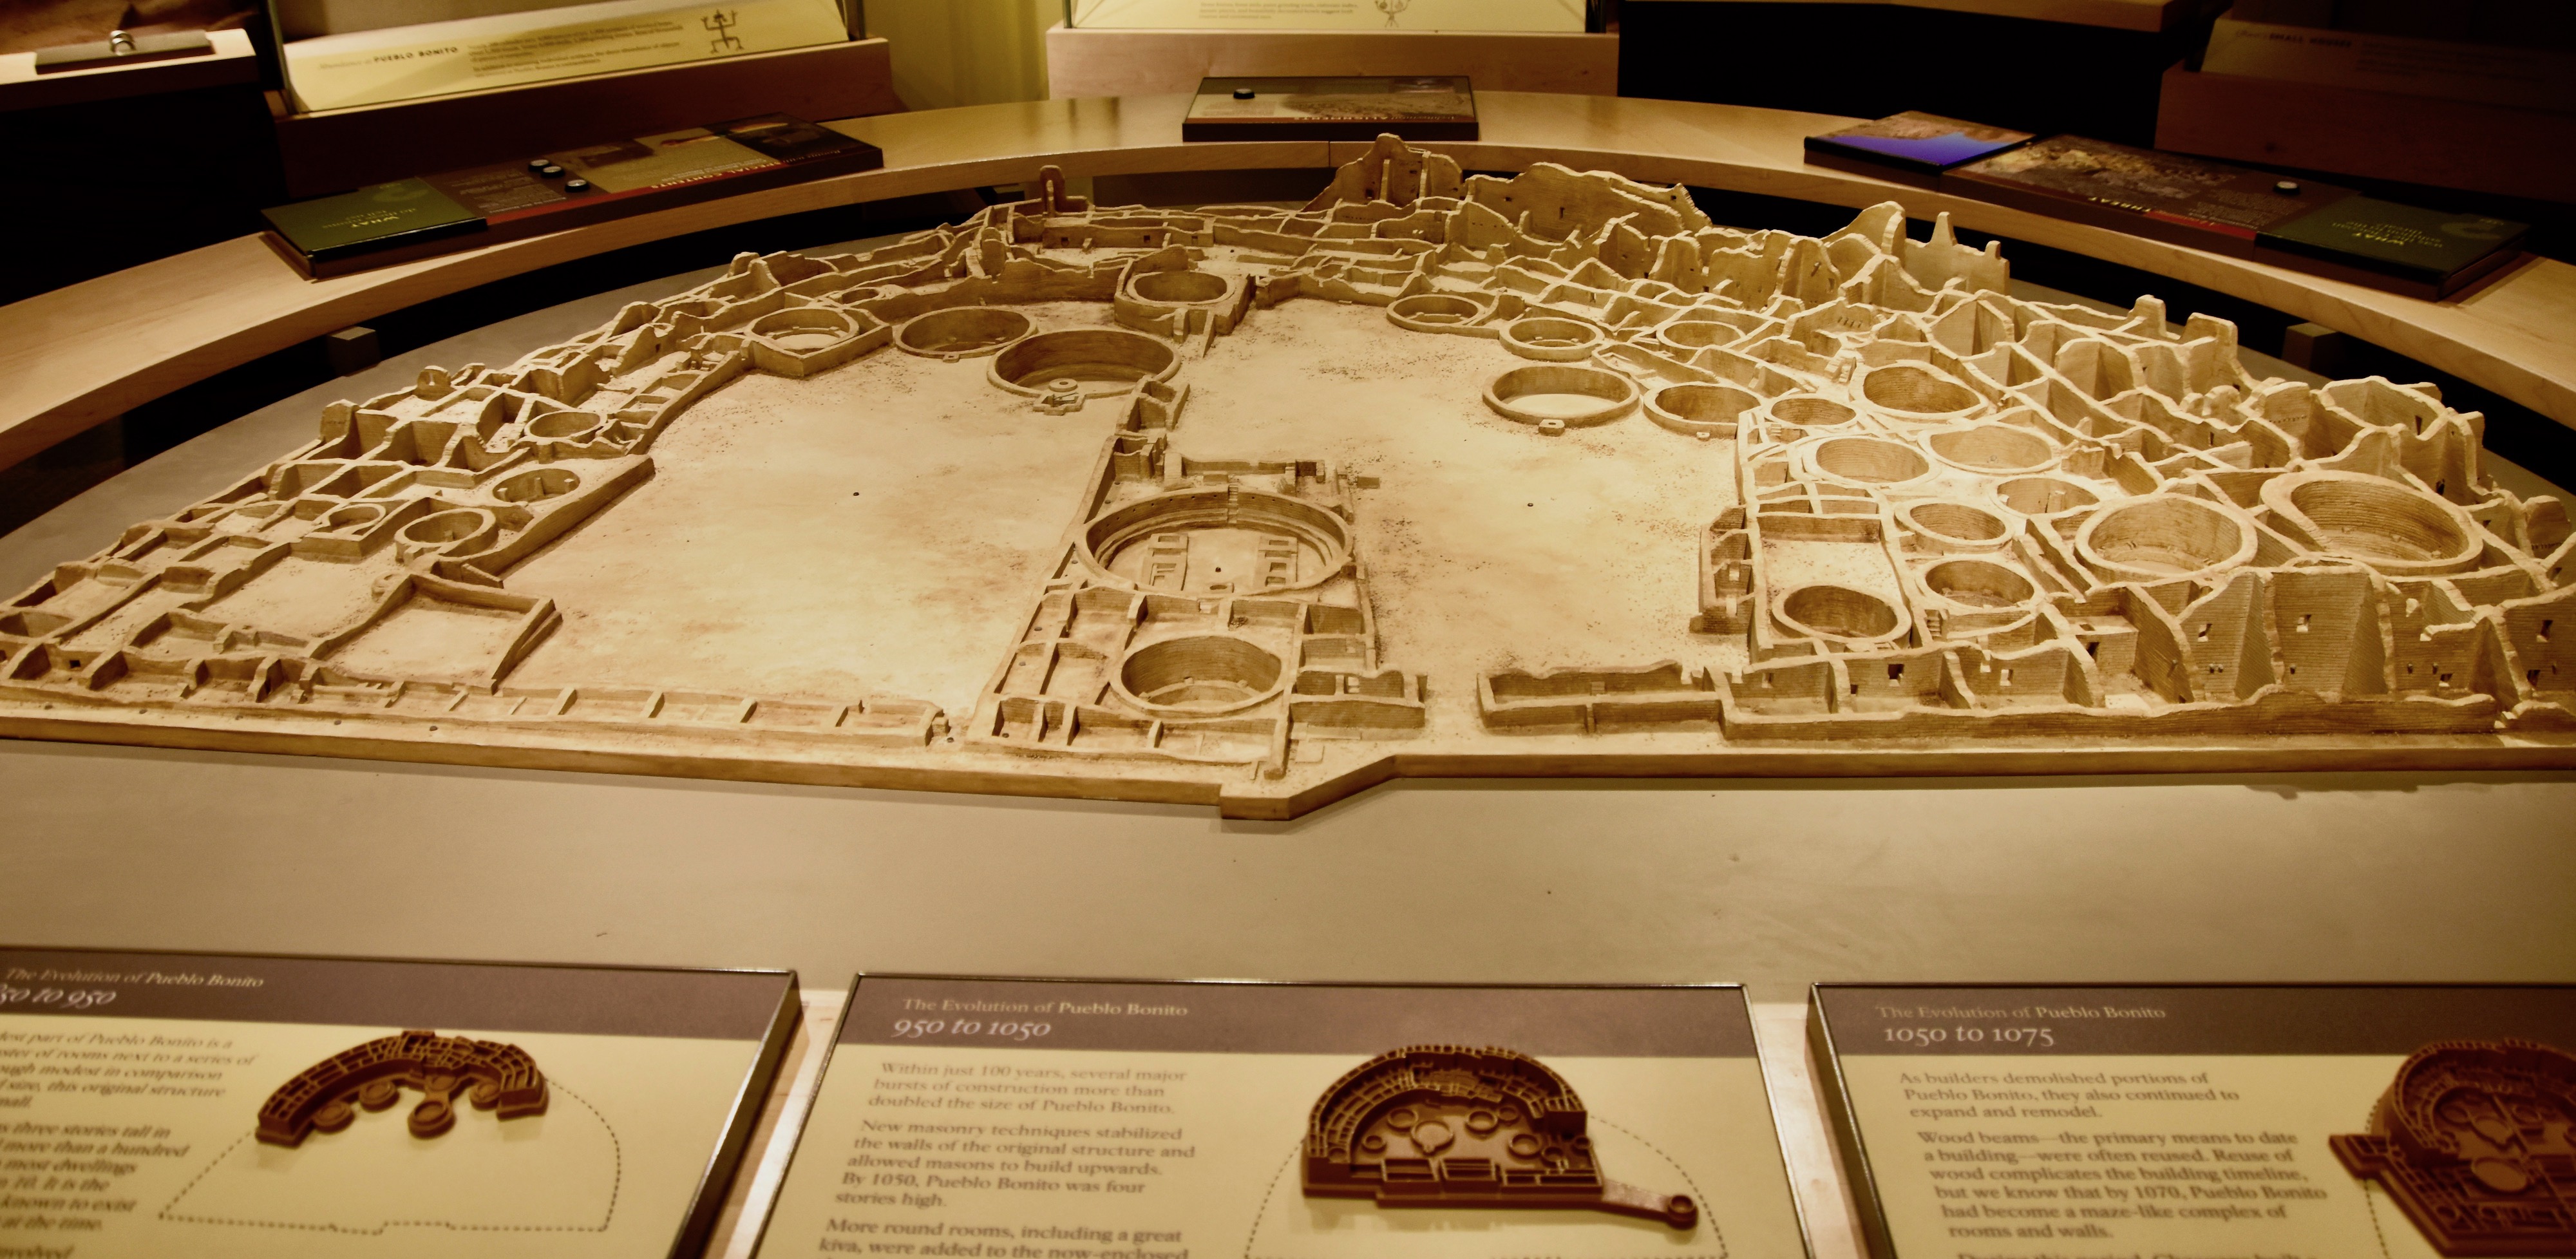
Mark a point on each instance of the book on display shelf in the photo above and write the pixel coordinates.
(2299, 224)
(1911, 147)
(1360, 107)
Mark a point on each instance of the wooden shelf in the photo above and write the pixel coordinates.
(83, 354)
(2377, 135)
(1150, 62)
(232, 62)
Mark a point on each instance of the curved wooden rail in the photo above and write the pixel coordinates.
(83, 354)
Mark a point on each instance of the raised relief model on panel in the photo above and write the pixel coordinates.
(2476, 1140)
(326, 1096)
(1456, 1126)
(1545, 474)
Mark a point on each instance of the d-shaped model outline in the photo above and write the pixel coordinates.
(326, 1095)
(1456, 1126)
(2476, 1141)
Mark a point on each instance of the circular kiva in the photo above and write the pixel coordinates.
(2044, 497)
(1552, 339)
(1100, 362)
(1995, 448)
(1178, 288)
(1868, 460)
(1806, 410)
(1562, 394)
(1217, 541)
(804, 329)
(1954, 526)
(460, 529)
(2163, 537)
(1838, 612)
(1978, 584)
(563, 425)
(2396, 530)
(1204, 675)
(1915, 390)
(536, 485)
(962, 331)
(1700, 410)
(1689, 336)
(1435, 312)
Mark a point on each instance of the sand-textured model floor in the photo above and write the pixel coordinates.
(1439, 475)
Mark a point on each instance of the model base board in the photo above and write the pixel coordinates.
(1442, 474)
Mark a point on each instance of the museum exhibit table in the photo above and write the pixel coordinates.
(2364, 876)
(76, 356)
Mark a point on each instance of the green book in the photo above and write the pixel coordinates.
(371, 220)
(2434, 248)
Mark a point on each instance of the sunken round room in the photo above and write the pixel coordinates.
(1217, 542)
(1092, 361)
(1201, 675)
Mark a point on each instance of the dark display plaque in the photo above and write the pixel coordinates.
(1419, 108)
(481, 205)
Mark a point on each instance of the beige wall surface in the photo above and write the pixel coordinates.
(2288, 877)
(966, 52)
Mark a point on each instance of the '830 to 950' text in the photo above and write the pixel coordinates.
(56, 998)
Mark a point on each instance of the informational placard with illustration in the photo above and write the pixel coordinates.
(2216, 1122)
(202, 1105)
(538, 46)
(1041, 1119)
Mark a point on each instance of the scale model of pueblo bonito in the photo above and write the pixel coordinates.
(1439, 474)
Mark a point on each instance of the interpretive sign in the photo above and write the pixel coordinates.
(399, 63)
(204, 1105)
(1083, 1120)
(2224, 1122)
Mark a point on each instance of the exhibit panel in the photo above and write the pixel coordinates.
(343, 55)
(987, 1116)
(1538, 455)
(204, 1104)
(2399, 1121)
